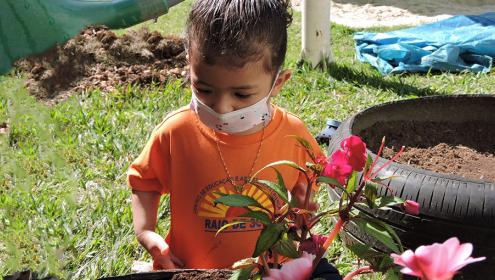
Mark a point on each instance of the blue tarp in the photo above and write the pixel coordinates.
(455, 44)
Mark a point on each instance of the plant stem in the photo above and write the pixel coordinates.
(331, 236)
(307, 196)
(368, 173)
(361, 270)
(343, 217)
(265, 265)
(308, 191)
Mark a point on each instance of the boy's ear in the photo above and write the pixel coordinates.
(283, 77)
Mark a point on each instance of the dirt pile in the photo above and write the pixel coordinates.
(98, 58)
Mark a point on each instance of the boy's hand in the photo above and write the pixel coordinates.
(159, 251)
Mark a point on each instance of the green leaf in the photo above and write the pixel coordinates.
(332, 209)
(281, 182)
(384, 202)
(228, 225)
(328, 180)
(380, 179)
(379, 232)
(286, 247)
(293, 203)
(244, 263)
(386, 262)
(258, 215)
(238, 200)
(279, 188)
(268, 237)
(367, 165)
(393, 274)
(371, 193)
(385, 226)
(392, 232)
(352, 182)
(302, 141)
(242, 274)
(311, 165)
(363, 251)
(280, 162)
(305, 144)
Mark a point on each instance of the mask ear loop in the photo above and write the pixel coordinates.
(274, 82)
(276, 78)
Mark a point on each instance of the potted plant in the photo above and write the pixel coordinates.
(448, 133)
(287, 232)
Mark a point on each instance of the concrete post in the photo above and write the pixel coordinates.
(316, 32)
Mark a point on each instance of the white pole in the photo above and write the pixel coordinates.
(316, 32)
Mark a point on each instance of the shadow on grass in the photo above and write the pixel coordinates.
(344, 73)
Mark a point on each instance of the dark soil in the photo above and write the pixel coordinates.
(97, 58)
(465, 149)
(208, 274)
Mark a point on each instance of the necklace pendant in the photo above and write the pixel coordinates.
(238, 188)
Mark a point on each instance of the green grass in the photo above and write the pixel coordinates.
(64, 203)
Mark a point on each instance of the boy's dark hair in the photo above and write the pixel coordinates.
(239, 31)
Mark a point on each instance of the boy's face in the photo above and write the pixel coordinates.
(226, 89)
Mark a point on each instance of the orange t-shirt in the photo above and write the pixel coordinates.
(182, 159)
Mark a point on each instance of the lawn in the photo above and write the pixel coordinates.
(64, 203)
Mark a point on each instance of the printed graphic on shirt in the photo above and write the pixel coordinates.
(216, 216)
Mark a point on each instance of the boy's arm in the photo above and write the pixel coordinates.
(144, 213)
(299, 193)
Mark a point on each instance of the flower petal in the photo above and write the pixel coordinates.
(355, 150)
(296, 269)
(436, 261)
(462, 253)
(411, 207)
(432, 261)
(339, 158)
(408, 261)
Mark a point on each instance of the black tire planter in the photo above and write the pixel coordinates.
(450, 205)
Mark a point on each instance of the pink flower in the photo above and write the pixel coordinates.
(436, 261)
(296, 269)
(338, 167)
(355, 150)
(321, 160)
(411, 207)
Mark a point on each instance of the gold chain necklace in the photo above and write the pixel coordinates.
(239, 188)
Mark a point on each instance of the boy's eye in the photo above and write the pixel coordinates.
(242, 95)
(203, 91)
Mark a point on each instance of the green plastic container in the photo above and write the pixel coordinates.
(33, 26)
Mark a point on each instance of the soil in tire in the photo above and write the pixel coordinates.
(462, 149)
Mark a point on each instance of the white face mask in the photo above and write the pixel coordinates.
(235, 121)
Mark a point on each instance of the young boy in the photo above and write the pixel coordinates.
(229, 131)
